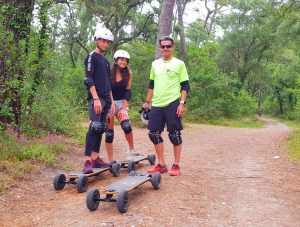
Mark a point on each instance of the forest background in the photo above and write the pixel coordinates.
(252, 68)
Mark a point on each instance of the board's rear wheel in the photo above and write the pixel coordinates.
(155, 180)
(59, 181)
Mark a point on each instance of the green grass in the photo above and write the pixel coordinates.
(294, 138)
(44, 152)
(15, 150)
(16, 156)
(2, 187)
(293, 141)
(68, 166)
(246, 122)
(294, 144)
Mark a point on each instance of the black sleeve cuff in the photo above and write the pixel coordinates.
(151, 84)
(127, 94)
(185, 85)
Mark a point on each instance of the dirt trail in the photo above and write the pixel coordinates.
(230, 177)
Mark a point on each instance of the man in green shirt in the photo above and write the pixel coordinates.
(167, 93)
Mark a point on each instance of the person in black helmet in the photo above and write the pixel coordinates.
(167, 93)
(100, 101)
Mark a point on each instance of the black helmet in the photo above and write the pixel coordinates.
(145, 113)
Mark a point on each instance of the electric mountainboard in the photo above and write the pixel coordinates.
(122, 187)
(80, 179)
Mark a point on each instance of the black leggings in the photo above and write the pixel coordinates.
(93, 141)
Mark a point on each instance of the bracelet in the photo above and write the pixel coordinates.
(147, 101)
(96, 99)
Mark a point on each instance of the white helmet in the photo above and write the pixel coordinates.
(121, 54)
(104, 33)
(145, 113)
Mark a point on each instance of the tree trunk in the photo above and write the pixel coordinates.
(165, 22)
(43, 45)
(183, 49)
(280, 101)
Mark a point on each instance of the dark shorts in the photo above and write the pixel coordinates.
(106, 104)
(159, 116)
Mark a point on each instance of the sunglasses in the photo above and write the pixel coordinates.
(165, 46)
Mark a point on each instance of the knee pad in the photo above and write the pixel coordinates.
(109, 136)
(126, 126)
(175, 137)
(97, 128)
(155, 137)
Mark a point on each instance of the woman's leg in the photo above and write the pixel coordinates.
(109, 136)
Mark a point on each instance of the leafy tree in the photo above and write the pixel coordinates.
(196, 33)
(250, 43)
(213, 94)
(118, 15)
(16, 20)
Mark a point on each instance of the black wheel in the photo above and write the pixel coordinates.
(93, 199)
(59, 181)
(155, 180)
(152, 158)
(115, 169)
(82, 183)
(122, 201)
(131, 166)
(132, 173)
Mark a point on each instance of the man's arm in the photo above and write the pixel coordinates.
(149, 95)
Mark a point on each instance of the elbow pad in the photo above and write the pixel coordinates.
(185, 85)
(127, 94)
(151, 84)
(88, 81)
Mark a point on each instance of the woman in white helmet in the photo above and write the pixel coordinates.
(121, 78)
(100, 101)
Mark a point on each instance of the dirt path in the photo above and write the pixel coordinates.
(230, 177)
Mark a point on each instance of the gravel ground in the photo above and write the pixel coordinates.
(230, 177)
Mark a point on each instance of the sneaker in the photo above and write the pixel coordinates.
(131, 155)
(159, 168)
(175, 171)
(99, 163)
(87, 168)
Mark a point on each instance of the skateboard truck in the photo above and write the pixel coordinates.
(131, 162)
(81, 180)
(122, 187)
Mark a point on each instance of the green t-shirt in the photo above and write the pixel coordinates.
(167, 76)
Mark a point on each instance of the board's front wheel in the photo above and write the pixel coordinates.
(82, 183)
(59, 181)
(152, 159)
(115, 169)
(122, 201)
(131, 166)
(155, 180)
(93, 199)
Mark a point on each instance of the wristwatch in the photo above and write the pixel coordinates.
(182, 102)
